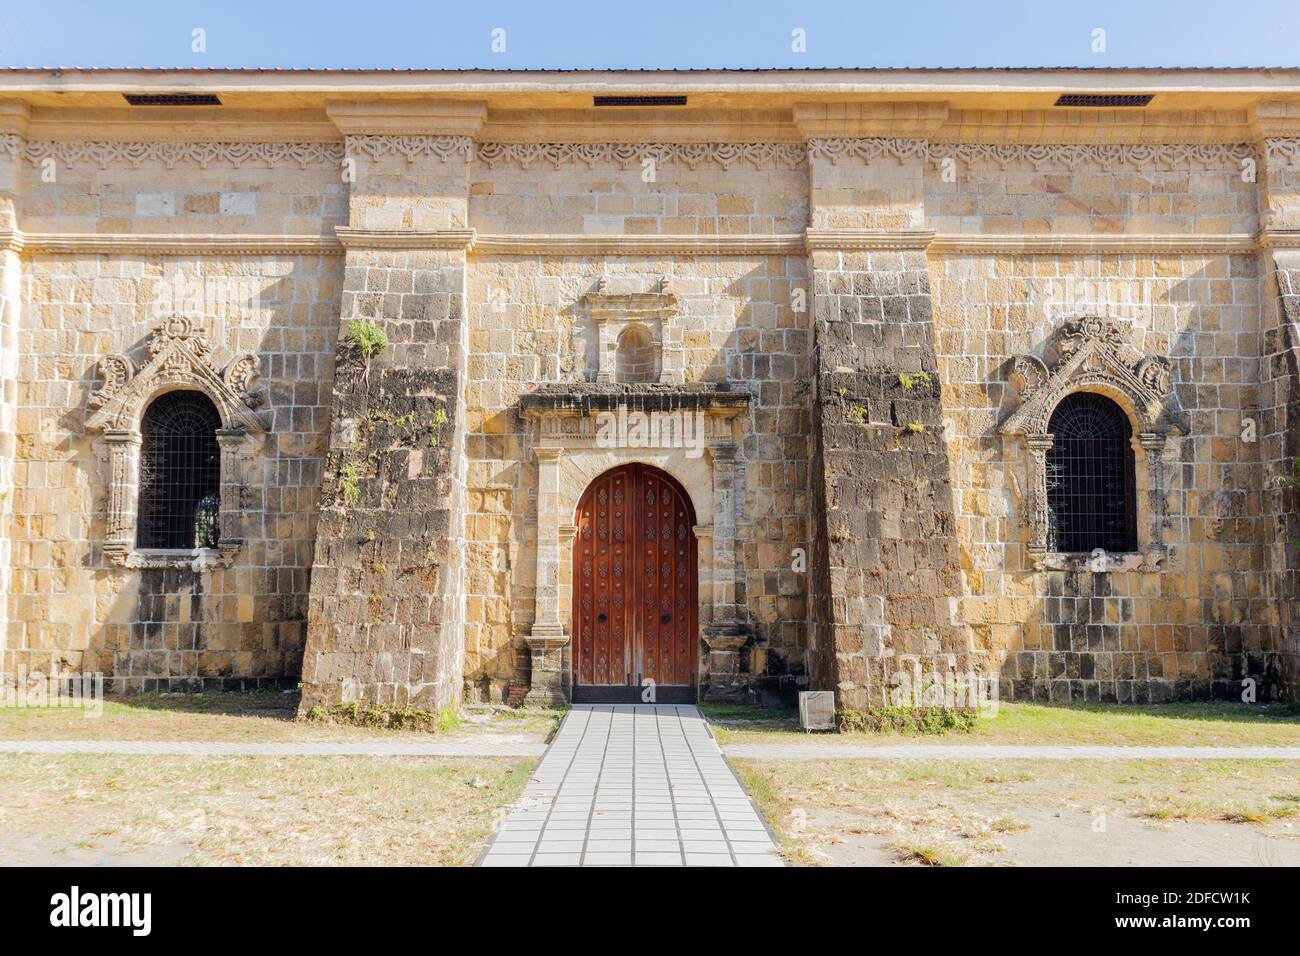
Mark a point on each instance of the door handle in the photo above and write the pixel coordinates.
(602, 618)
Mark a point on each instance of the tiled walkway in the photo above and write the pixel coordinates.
(625, 785)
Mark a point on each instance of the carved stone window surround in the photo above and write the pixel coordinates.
(179, 359)
(1093, 355)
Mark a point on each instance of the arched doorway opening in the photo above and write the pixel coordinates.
(635, 590)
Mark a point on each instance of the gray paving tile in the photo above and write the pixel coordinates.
(623, 776)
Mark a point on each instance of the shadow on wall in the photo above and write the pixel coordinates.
(160, 628)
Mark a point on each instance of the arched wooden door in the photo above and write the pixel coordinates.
(635, 589)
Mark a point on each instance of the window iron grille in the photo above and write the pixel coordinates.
(180, 473)
(1091, 496)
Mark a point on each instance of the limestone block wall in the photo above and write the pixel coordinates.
(160, 628)
(1082, 191)
(637, 189)
(238, 190)
(1194, 625)
(737, 323)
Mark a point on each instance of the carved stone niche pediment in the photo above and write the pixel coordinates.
(613, 313)
(1093, 354)
(180, 357)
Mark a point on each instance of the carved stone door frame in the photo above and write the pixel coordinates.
(569, 457)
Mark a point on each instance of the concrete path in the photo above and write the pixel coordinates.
(833, 751)
(633, 785)
(493, 745)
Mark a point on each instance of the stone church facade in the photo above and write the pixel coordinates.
(737, 384)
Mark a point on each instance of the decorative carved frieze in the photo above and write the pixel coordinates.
(1282, 150)
(725, 155)
(1040, 155)
(866, 150)
(410, 148)
(104, 154)
(1094, 355)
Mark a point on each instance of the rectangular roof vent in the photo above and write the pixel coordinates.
(638, 101)
(1104, 99)
(172, 99)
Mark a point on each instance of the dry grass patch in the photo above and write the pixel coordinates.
(965, 807)
(297, 811)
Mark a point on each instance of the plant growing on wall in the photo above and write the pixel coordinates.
(351, 483)
(1292, 480)
(368, 339)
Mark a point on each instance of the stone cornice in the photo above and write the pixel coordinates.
(1066, 245)
(724, 155)
(175, 244)
(1279, 238)
(1273, 119)
(560, 244)
(354, 238)
(637, 245)
(822, 121)
(14, 117)
(867, 239)
(1056, 126)
(408, 117)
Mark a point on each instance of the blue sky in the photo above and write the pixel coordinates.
(649, 33)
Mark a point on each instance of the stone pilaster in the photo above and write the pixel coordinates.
(13, 127)
(1277, 128)
(725, 632)
(884, 551)
(386, 612)
(124, 484)
(547, 640)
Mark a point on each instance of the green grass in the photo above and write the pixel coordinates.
(1179, 724)
(257, 715)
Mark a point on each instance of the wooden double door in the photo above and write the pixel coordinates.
(635, 590)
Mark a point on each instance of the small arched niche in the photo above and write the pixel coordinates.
(635, 357)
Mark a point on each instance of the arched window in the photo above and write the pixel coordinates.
(180, 473)
(634, 358)
(1090, 477)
